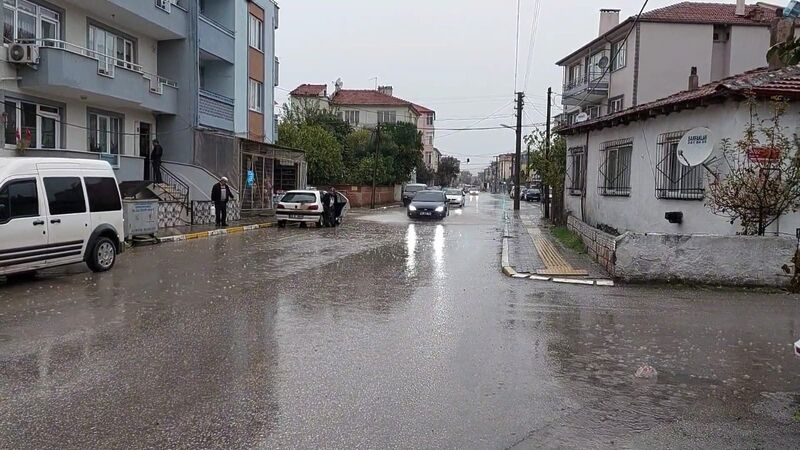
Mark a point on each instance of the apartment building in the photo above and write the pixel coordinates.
(102, 78)
(635, 62)
(431, 157)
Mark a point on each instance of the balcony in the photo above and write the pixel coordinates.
(160, 19)
(215, 110)
(587, 90)
(74, 72)
(216, 39)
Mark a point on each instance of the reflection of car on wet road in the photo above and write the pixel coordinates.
(455, 197)
(410, 190)
(305, 206)
(429, 204)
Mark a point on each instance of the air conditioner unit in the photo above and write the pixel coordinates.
(23, 53)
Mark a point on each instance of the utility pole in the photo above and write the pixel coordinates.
(375, 164)
(546, 190)
(518, 156)
(496, 174)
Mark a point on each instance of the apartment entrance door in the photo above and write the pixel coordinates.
(144, 147)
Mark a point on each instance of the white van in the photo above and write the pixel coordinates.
(56, 211)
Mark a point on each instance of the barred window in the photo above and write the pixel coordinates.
(615, 167)
(576, 172)
(673, 179)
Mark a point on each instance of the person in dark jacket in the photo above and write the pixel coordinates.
(155, 157)
(326, 209)
(220, 194)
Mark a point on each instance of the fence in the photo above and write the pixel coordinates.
(361, 196)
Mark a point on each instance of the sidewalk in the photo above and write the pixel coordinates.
(532, 252)
(187, 232)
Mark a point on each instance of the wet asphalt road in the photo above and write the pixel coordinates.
(390, 334)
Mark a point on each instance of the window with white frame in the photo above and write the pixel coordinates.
(352, 117)
(430, 118)
(105, 133)
(618, 55)
(26, 20)
(593, 111)
(429, 138)
(616, 104)
(39, 126)
(255, 96)
(387, 116)
(111, 49)
(615, 167)
(256, 33)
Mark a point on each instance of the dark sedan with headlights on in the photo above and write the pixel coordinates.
(429, 205)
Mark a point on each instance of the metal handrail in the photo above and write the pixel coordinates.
(111, 62)
(217, 97)
(173, 181)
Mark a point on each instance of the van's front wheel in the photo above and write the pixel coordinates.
(102, 255)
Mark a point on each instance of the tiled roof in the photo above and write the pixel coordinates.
(689, 13)
(365, 97)
(710, 13)
(760, 82)
(309, 90)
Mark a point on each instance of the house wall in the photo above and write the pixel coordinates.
(621, 81)
(667, 54)
(368, 115)
(642, 211)
(748, 47)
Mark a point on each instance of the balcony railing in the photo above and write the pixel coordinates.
(106, 64)
(216, 105)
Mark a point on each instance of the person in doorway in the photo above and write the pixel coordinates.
(220, 195)
(155, 157)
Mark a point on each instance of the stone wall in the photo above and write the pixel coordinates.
(599, 245)
(725, 260)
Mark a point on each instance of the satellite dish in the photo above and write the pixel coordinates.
(603, 63)
(696, 147)
(582, 117)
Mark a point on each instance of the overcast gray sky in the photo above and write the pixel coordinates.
(453, 56)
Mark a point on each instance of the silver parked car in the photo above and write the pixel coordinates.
(305, 207)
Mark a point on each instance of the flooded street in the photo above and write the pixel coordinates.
(388, 334)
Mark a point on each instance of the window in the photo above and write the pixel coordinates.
(351, 117)
(105, 133)
(276, 75)
(593, 69)
(593, 111)
(387, 116)
(40, 125)
(429, 138)
(430, 118)
(615, 104)
(255, 96)
(574, 75)
(618, 55)
(673, 179)
(722, 33)
(111, 50)
(103, 194)
(576, 170)
(256, 31)
(23, 20)
(18, 199)
(615, 168)
(64, 195)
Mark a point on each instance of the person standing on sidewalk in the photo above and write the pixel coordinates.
(155, 157)
(220, 194)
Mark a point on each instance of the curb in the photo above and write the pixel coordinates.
(511, 273)
(219, 232)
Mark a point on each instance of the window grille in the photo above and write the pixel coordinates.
(615, 168)
(673, 179)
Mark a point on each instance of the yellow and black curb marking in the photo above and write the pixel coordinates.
(218, 232)
(556, 265)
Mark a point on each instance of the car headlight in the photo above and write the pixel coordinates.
(412, 208)
(440, 209)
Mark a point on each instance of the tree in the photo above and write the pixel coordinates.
(551, 168)
(323, 150)
(425, 175)
(312, 114)
(449, 169)
(465, 177)
(401, 146)
(761, 170)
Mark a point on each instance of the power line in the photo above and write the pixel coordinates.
(481, 120)
(532, 44)
(516, 47)
(613, 57)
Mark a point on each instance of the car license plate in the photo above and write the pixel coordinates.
(425, 213)
(295, 216)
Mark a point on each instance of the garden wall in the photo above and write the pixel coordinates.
(361, 196)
